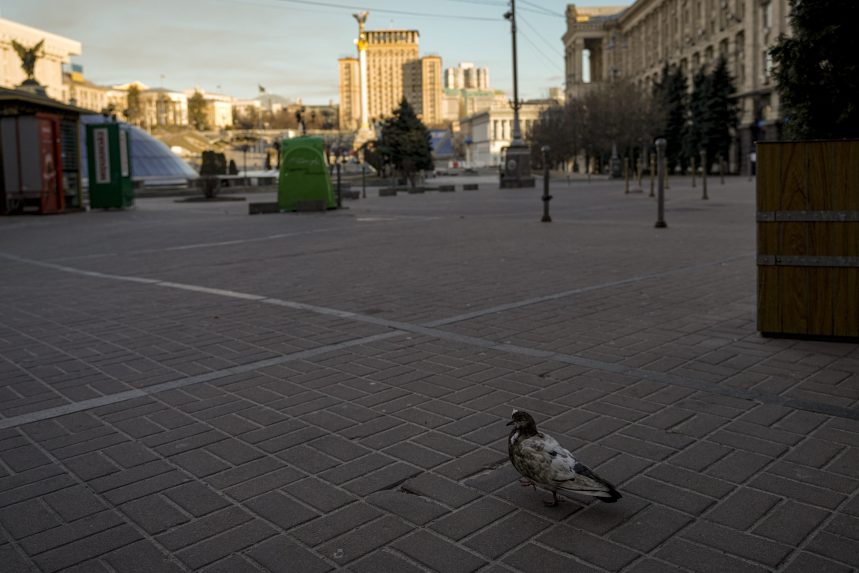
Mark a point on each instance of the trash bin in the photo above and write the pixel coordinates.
(109, 162)
(305, 184)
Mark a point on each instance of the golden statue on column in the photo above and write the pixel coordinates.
(364, 132)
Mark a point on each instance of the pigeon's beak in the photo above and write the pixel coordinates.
(510, 423)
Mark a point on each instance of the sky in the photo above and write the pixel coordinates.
(291, 47)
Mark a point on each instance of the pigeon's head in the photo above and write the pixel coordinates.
(522, 420)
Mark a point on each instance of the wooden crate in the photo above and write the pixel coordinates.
(808, 238)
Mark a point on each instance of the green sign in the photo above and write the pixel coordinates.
(304, 182)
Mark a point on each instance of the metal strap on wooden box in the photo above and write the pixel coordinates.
(808, 216)
(807, 261)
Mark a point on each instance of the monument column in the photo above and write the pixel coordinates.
(364, 132)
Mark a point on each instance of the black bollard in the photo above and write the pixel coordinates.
(660, 186)
(546, 197)
(339, 192)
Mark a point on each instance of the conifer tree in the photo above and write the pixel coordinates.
(670, 94)
(406, 141)
(816, 70)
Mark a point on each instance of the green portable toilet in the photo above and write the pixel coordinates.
(305, 184)
(109, 163)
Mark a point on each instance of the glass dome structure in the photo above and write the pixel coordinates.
(152, 162)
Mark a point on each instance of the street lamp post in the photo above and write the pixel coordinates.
(546, 197)
(516, 172)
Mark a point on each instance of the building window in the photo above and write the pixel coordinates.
(767, 60)
(767, 15)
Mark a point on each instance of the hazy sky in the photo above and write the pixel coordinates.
(291, 46)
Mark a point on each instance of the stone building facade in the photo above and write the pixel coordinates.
(395, 70)
(636, 42)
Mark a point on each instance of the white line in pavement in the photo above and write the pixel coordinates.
(430, 329)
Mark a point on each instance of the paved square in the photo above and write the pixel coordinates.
(184, 387)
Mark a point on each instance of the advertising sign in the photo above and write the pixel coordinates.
(101, 155)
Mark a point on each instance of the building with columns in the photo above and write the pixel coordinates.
(466, 76)
(395, 70)
(487, 133)
(636, 42)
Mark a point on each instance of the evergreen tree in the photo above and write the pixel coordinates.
(698, 129)
(197, 111)
(134, 111)
(406, 141)
(721, 115)
(816, 70)
(670, 95)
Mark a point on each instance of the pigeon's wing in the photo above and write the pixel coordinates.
(559, 469)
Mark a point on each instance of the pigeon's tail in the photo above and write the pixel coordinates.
(589, 483)
(610, 496)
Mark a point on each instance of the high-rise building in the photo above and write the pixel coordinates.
(638, 41)
(395, 70)
(466, 76)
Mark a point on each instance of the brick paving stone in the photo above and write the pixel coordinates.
(650, 528)
(587, 547)
(224, 544)
(232, 564)
(806, 562)
(74, 502)
(355, 468)
(743, 508)
(68, 533)
(600, 518)
(86, 548)
(408, 506)
(358, 542)
(335, 523)
(245, 472)
(437, 553)
(737, 543)
(281, 510)
(281, 554)
(14, 561)
(738, 467)
(196, 498)
(27, 518)
(200, 463)
(145, 487)
(672, 496)
(802, 492)
(699, 558)
(264, 483)
(319, 494)
(141, 557)
(129, 454)
(532, 558)
(203, 528)
(506, 534)
(447, 492)
(838, 548)
(687, 479)
(384, 478)
(24, 458)
(153, 514)
(470, 518)
(416, 455)
(384, 562)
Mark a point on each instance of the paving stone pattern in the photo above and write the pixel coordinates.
(187, 388)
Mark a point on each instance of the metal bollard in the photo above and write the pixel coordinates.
(546, 197)
(660, 193)
(626, 175)
(694, 172)
(339, 191)
(704, 174)
(652, 173)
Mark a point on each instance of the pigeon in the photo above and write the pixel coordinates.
(544, 462)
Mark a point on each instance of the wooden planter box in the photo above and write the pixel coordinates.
(808, 239)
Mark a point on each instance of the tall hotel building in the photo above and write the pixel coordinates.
(636, 42)
(394, 70)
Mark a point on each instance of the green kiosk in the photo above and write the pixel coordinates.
(305, 184)
(109, 163)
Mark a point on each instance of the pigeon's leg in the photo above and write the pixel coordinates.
(554, 502)
(526, 482)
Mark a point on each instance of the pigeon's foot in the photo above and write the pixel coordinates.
(554, 502)
(526, 482)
